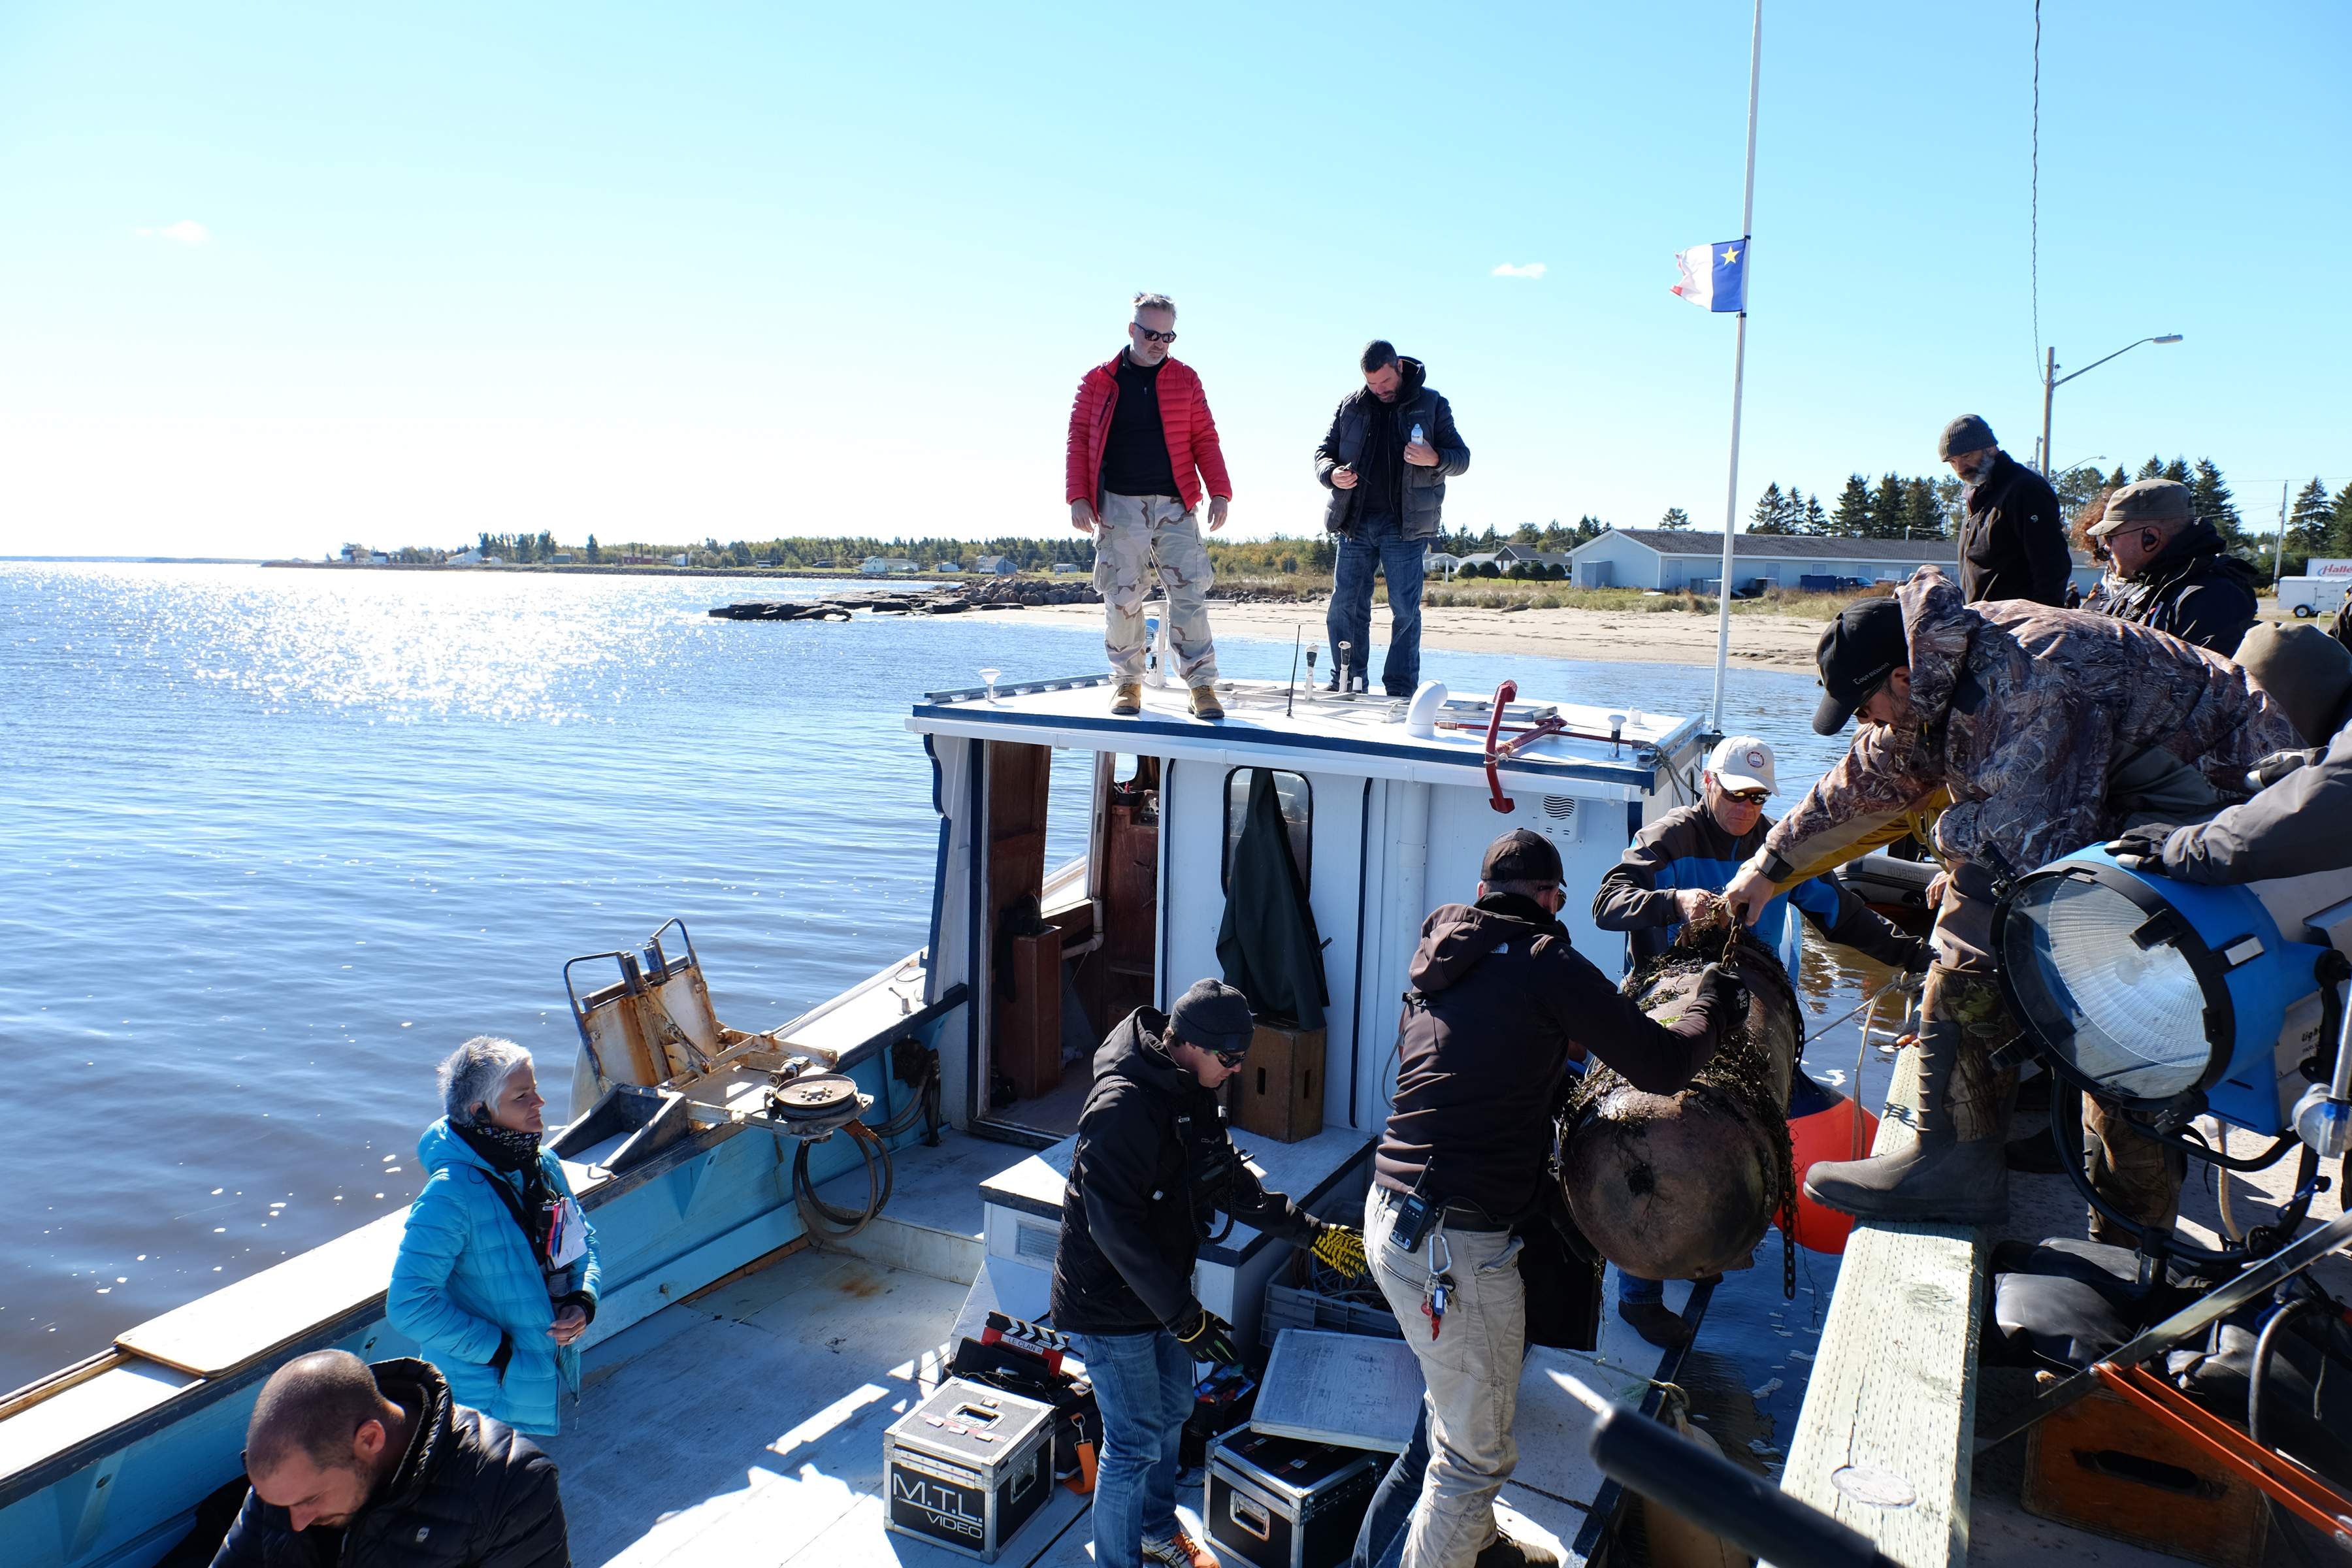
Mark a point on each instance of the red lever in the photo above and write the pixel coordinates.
(1503, 693)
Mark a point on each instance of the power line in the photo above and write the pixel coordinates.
(2033, 250)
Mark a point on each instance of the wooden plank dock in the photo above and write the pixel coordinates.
(1884, 1435)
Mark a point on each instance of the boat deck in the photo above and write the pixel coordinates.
(743, 1425)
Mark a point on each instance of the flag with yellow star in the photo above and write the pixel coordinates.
(1715, 276)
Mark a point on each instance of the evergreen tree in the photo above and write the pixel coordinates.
(593, 553)
(2153, 469)
(1771, 513)
(1888, 508)
(2119, 478)
(1816, 521)
(1923, 517)
(2339, 536)
(1853, 514)
(2211, 500)
(1676, 518)
(2310, 519)
(1952, 504)
(2178, 472)
(1527, 533)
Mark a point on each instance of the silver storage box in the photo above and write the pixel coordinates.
(1286, 1502)
(966, 1467)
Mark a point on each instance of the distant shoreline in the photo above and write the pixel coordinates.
(144, 559)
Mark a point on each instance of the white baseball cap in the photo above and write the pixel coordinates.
(1742, 762)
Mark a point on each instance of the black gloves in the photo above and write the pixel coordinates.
(2278, 765)
(1921, 956)
(1208, 1337)
(2141, 849)
(1725, 999)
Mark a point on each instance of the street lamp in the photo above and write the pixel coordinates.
(2052, 381)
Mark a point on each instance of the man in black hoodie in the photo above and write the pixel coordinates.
(2178, 576)
(1385, 461)
(377, 1467)
(1501, 1004)
(2012, 536)
(1153, 1168)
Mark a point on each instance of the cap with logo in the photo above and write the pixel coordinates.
(2152, 502)
(1742, 762)
(1862, 648)
(1520, 855)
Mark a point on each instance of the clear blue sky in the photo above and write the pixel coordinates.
(667, 271)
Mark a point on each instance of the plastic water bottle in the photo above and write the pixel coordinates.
(1415, 436)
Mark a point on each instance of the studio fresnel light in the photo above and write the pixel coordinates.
(2170, 996)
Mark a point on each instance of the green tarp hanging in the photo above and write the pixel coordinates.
(1267, 944)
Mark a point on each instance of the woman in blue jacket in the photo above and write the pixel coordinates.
(496, 1276)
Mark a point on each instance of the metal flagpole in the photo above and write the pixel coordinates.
(1739, 375)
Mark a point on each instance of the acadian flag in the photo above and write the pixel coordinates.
(1715, 276)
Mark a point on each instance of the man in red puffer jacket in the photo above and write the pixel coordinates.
(1143, 446)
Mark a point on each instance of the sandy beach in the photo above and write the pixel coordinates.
(1667, 636)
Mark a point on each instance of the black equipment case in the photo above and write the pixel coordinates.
(1286, 1502)
(966, 1467)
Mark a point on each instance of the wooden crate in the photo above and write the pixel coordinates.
(2102, 1466)
(1029, 1021)
(1278, 1093)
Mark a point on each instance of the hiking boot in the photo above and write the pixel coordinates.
(1954, 1172)
(1205, 704)
(1178, 1551)
(1127, 699)
(1504, 1552)
(1655, 1323)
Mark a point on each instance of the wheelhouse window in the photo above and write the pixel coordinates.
(1298, 803)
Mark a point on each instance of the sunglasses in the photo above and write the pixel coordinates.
(1748, 796)
(1230, 1058)
(1151, 337)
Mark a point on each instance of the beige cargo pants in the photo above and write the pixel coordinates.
(1140, 541)
(1471, 1369)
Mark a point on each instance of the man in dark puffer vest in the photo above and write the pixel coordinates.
(377, 1467)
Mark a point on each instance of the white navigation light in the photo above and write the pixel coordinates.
(2161, 993)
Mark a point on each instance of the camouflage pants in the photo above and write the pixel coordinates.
(2139, 1177)
(1140, 541)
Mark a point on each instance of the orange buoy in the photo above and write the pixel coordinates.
(1824, 1125)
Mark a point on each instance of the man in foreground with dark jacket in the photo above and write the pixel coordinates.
(1152, 1169)
(2013, 535)
(1502, 1003)
(377, 1467)
(2178, 575)
(1386, 458)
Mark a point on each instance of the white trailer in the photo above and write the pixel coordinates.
(2309, 597)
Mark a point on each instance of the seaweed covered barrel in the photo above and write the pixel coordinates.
(1679, 1187)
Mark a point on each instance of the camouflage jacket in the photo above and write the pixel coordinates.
(2023, 710)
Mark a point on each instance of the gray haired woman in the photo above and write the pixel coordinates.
(496, 1276)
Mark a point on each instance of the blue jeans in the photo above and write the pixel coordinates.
(1143, 1386)
(1377, 541)
(1380, 1540)
(1632, 1290)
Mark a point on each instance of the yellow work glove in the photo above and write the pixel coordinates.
(1342, 1248)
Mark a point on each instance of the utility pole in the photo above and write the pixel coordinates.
(2049, 385)
(2278, 544)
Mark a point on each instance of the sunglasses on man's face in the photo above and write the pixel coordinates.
(1151, 337)
(1230, 1058)
(1747, 796)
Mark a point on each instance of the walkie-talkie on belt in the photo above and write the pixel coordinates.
(1415, 1213)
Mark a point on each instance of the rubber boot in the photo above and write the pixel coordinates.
(1954, 1173)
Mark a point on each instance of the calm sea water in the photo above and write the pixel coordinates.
(279, 839)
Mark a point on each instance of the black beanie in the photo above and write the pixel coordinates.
(1213, 1017)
